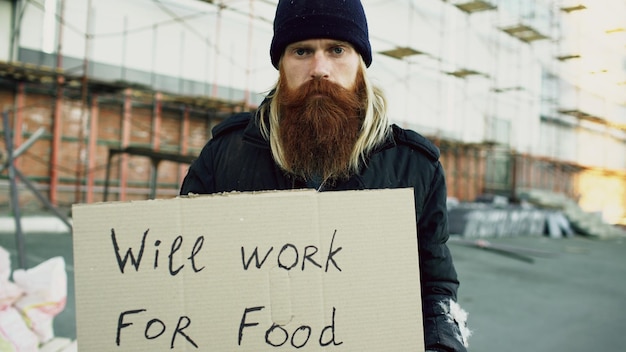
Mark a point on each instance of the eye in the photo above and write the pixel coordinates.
(338, 50)
(300, 51)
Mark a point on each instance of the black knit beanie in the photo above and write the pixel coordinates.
(298, 20)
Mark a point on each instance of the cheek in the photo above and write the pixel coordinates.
(348, 77)
(293, 78)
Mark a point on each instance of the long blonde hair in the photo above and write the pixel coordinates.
(374, 131)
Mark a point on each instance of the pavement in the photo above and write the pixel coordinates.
(572, 300)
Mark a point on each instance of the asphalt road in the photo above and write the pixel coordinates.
(573, 301)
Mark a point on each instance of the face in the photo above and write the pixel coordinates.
(329, 59)
(320, 122)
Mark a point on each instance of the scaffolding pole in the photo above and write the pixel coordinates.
(15, 206)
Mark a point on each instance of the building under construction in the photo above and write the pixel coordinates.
(111, 100)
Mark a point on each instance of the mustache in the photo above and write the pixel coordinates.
(318, 88)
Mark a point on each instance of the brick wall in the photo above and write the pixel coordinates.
(73, 152)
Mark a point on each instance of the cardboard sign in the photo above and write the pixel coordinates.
(290, 270)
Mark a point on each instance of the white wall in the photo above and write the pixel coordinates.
(6, 30)
(176, 38)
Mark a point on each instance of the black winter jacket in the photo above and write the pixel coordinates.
(238, 158)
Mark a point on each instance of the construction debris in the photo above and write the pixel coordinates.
(539, 214)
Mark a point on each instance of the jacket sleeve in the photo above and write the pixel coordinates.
(199, 178)
(444, 321)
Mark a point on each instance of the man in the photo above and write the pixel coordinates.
(324, 126)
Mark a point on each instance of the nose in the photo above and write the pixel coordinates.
(320, 66)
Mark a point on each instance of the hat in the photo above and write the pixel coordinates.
(298, 20)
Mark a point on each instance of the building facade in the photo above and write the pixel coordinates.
(121, 95)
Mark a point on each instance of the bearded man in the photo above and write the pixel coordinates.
(325, 126)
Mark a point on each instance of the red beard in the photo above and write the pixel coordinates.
(320, 123)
